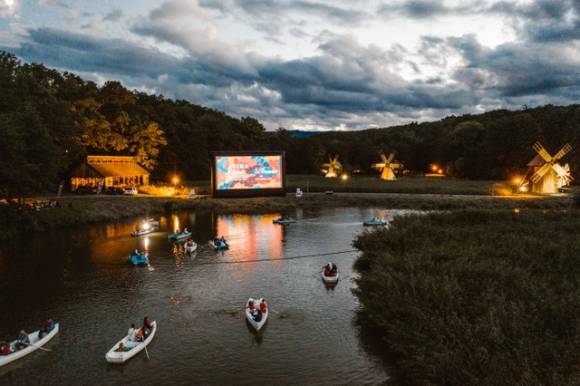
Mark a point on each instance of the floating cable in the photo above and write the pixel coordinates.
(278, 259)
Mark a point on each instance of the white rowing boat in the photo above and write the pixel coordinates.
(35, 343)
(256, 324)
(133, 348)
(329, 279)
(190, 248)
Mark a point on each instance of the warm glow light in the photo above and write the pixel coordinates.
(175, 223)
(517, 180)
(344, 176)
(517, 210)
(440, 171)
(434, 167)
(175, 180)
(523, 189)
(146, 226)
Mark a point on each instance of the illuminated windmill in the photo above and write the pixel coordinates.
(388, 167)
(547, 175)
(332, 168)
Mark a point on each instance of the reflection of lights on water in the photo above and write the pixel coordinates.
(175, 221)
(146, 243)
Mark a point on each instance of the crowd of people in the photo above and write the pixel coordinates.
(23, 339)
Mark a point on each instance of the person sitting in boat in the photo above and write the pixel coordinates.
(251, 306)
(139, 335)
(147, 326)
(121, 348)
(4, 348)
(263, 306)
(22, 340)
(47, 326)
(132, 333)
(257, 315)
(330, 269)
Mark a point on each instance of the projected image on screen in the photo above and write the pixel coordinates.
(248, 172)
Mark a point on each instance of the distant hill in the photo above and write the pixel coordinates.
(308, 134)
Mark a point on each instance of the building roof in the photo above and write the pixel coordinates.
(537, 161)
(116, 166)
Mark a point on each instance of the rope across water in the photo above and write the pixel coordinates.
(280, 258)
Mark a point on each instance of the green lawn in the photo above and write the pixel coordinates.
(366, 184)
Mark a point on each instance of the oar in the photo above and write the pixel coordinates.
(147, 353)
(38, 347)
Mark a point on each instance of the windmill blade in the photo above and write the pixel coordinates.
(384, 158)
(378, 166)
(560, 170)
(391, 156)
(540, 173)
(396, 166)
(542, 151)
(563, 151)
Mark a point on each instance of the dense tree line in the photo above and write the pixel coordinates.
(50, 120)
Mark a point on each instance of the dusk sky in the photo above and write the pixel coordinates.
(313, 65)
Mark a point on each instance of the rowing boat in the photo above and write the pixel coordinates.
(284, 221)
(190, 248)
(35, 343)
(179, 236)
(219, 246)
(257, 325)
(138, 259)
(329, 279)
(374, 222)
(132, 348)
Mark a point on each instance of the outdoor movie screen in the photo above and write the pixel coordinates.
(259, 171)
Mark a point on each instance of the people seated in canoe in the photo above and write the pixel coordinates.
(189, 242)
(121, 348)
(22, 340)
(263, 306)
(330, 269)
(257, 315)
(140, 335)
(5, 348)
(47, 326)
(147, 326)
(132, 333)
(251, 306)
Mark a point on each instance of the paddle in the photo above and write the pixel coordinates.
(147, 353)
(38, 347)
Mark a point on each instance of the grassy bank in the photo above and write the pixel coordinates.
(75, 210)
(373, 184)
(475, 297)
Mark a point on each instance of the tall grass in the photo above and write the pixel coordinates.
(475, 297)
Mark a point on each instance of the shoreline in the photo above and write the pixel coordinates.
(79, 210)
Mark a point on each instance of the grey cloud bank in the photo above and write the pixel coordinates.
(344, 83)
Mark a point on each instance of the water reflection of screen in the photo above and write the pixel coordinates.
(252, 237)
(248, 172)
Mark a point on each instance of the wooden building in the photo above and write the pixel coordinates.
(119, 171)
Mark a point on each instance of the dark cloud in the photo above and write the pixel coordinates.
(114, 15)
(344, 82)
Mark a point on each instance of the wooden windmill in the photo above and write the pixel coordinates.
(388, 167)
(546, 174)
(332, 168)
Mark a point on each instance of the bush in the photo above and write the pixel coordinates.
(474, 297)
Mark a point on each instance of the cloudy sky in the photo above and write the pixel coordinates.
(313, 64)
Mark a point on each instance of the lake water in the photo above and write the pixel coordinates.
(82, 279)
